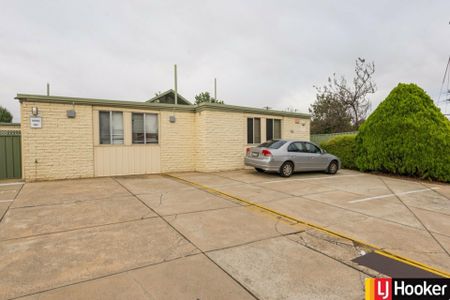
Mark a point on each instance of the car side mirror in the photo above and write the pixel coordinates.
(323, 151)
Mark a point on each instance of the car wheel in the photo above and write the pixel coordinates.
(332, 167)
(259, 170)
(286, 169)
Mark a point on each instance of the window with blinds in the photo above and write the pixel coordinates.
(273, 129)
(253, 130)
(111, 127)
(144, 128)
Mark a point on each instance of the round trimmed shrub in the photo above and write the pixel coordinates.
(407, 135)
(344, 147)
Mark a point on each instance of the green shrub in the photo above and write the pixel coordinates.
(407, 134)
(344, 147)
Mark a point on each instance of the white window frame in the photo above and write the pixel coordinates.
(273, 127)
(253, 133)
(145, 129)
(111, 127)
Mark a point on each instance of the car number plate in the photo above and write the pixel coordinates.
(255, 154)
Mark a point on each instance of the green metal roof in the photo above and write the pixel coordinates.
(102, 102)
(253, 110)
(156, 106)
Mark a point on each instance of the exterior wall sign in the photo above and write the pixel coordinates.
(36, 122)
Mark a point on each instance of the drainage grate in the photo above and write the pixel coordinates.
(391, 267)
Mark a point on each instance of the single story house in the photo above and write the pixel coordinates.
(69, 137)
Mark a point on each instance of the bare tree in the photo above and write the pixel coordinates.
(354, 95)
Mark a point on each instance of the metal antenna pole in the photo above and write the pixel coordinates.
(215, 88)
(48, 89)
(176, 84)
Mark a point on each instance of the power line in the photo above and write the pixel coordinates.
(444, 96)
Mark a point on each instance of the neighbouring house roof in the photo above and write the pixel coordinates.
(168, 97)
(156, 106)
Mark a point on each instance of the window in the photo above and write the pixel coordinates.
(272, 144)
(144, 128)
(111, 127)
(273, 129)
(296, 147)
(310, 148)
(253, 130)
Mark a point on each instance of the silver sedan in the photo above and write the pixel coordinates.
(287, 157)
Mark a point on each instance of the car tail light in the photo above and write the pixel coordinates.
(266, 153)
(247, 151)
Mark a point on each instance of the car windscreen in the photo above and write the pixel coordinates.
(272, 144)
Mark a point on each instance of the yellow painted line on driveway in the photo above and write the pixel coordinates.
(376, 249)
(391, 195)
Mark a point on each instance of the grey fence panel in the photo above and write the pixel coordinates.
(320, 138)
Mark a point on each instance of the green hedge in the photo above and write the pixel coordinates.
(407, 135)
(343, 147)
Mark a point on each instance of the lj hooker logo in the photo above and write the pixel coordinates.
(412, 289)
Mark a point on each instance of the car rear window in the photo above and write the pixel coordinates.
(272, 144)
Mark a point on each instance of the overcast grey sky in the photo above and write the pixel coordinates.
(263, 53)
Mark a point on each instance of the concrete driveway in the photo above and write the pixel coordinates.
(155, 237)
